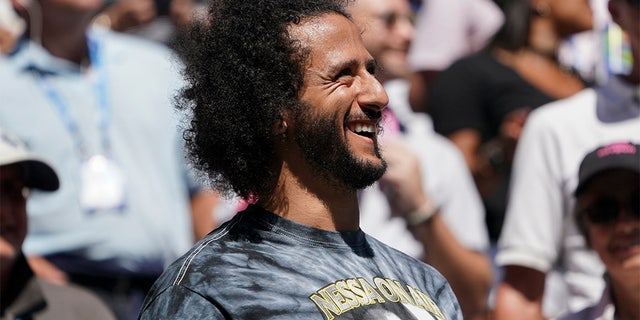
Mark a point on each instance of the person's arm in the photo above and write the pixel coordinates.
(468, 141)
(520, 294)
(468, 272)
(44, 269)
(486, 160)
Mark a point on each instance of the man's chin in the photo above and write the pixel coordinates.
(369, 172)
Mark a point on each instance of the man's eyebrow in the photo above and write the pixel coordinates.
(351, 63)
(346, 64)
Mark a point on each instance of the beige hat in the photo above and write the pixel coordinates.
(39, 175)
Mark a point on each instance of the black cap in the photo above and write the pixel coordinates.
(619, 155)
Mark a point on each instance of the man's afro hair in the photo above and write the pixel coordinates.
(243, 72)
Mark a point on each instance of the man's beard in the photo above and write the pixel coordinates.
(322, 146)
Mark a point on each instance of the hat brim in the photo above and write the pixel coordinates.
(601, 169)
(40, 176)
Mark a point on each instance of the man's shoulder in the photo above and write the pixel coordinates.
(575, 105)
(568, 114)
(217, 248)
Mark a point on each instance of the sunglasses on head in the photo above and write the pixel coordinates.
(607, 211)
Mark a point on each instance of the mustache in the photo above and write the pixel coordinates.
(373, 114)
(366, 114)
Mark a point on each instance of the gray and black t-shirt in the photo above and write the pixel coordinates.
(261, 266)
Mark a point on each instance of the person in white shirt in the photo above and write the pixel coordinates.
(548, 270)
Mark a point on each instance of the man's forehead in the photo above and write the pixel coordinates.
(328, 36)
(312, 28)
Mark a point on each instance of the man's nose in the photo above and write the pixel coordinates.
(372, 95)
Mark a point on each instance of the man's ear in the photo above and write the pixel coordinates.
(281, 126)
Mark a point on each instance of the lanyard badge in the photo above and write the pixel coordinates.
(102, 184)
(102, 180)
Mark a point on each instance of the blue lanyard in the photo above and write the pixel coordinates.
(100, 89)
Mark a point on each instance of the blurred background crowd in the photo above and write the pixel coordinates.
(493, 106)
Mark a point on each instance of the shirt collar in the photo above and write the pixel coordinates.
(618, 100)
(30, 55)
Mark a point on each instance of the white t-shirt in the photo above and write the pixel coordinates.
(539, 231)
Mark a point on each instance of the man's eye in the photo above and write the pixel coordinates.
(343, 73)
(372, 67)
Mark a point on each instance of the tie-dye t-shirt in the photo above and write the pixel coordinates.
(261, 266)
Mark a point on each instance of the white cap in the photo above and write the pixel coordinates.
(39, 173)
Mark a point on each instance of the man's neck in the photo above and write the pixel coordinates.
(65, 37)
(310, 200)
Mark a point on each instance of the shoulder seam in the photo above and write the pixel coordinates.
(189, 259)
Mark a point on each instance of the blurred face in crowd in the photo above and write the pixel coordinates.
(13, 215)
(337, 130)
(570, 16)
(609, 206)
(387, 30)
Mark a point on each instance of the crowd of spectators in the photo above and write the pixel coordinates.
(493, 106)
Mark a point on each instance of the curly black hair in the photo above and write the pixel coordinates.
(243, 71)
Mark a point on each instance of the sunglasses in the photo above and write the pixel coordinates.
(607, 211)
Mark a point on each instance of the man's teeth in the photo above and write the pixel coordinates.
(362, 128)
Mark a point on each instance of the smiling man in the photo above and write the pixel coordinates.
(286, 113)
